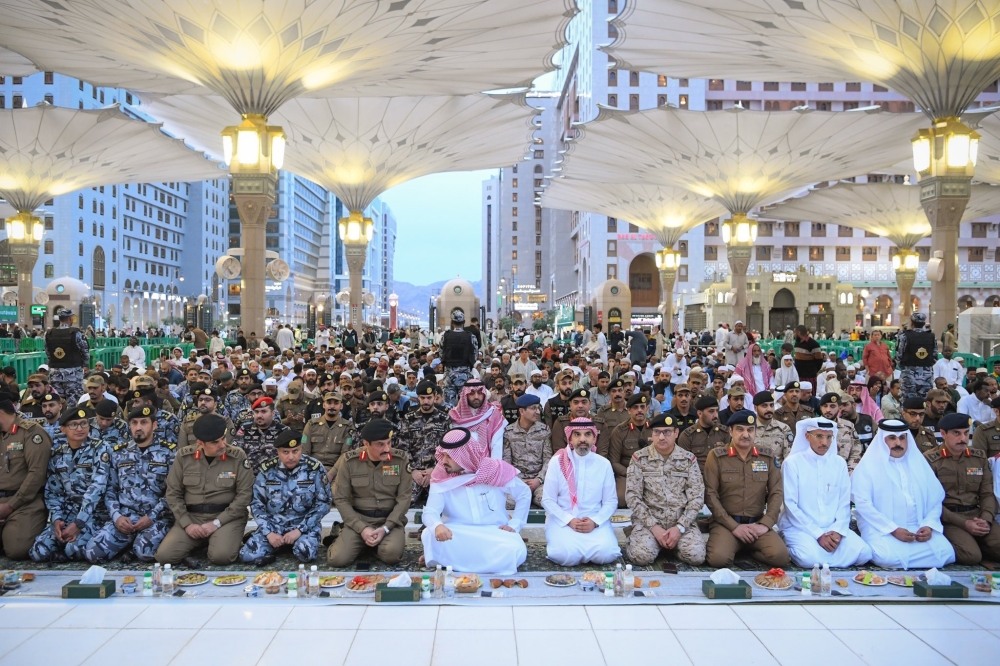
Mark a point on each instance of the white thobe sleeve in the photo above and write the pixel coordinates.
(861, 494)
(794, 512)
(432, 510)
(519, 490)
(496, 445)
(554, 486)
(609, 500)
(842, 524)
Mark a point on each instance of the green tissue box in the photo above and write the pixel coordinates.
(383, 593)
(75, 590)
(953, 591)
(739, 591)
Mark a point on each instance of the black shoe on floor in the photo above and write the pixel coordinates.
(263, 561)
(127, 558)
(191, 562)
(58, 558)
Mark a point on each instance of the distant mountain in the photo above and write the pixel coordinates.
(415, 299)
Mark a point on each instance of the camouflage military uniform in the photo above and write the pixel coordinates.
(256, 443)
(666, 492)
(454, 382)
(292, 412)
(167, 426)
(848, 444)
(326, 441)
(116, 431)
(234, 404)
(52, 428)
(612, 417)
(529, 451)
(775, 436)
(790, 418)
(700, 440)
(285, 500)
(137, 482)
(185, 434)
(74, 493)
(419, 436)
(987, 439)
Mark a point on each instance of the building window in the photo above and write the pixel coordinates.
(513, 240)
(977, 254)
(765, 228)
(79, 203)
(978, 230)
(712, 228)
(849, 106)
(661, 100)
(845, 232)
(764, 252)
(791, 229)
(798, 87)
(826, 87)
(79, 272)
(48, 98)
(682, 83)
(711, 253)
(613, 77)
(539, 154)
(633, 79)
(538, 240)
(790, 253)
(612, 272)
(513, 211)
(815, 254)
(612, 248)
(869, 253)
(879, 89)
(818, 229)
(743, 85)
(513, 225)
(682, 273)
(98, 268)
(683, 103)
(513, 255)
(49, 248)
(822, 106)
(661, 81)
(869, 234)
(770, 86)
(18, 102)
(514, 196)
(513, 269)
(843, 253)
(716, 84)
(50, 270)
(80, 249)
(513, 182)
(714, 105)
(853, 86)
(49, 223)
(612, 31)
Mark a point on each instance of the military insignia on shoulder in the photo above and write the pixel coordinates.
(790, 437)
(186, 451)
(120, 445)
(409, 468)
(37, 439)
(105, 457)
(977, 453)
(315, 465)
(246, 463)
(171, 445)
(268, 464)
(720, 451)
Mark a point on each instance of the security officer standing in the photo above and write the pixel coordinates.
(420, 432)
(665, 491)
(626, 439)
(848, 444)
(527, 445)
(136, 493)
(209, 488)
(292, 407)
(232, 401)
(25, 449)
(615, 412)
(579, 408)
(916, 353)
(683, 415)
(791, 411)
(913, 416)
(743, 490)
(969, 503)
(68, 356)
(74, 491)
(508, 403)
(707, 433)
(256, 438)
(290, 497)
(207, 402)
(329, 436)
(459, 349)
(771, 433)
(987, 436)
(372, 493)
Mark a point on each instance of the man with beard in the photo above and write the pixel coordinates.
(539, 388)
(27, 450)
(257, 438)
(499, 389)
(559, 404)
(848, 444)
(579, 408)
(328, 437)
(167, 425)
(863, 424)
(206, 402)
(51, 409)
(377, 407)
(527, 445)
(508, 404)
(936, 404)
(420, 433)
(771, 433)
(792, 410)
(682, 413)
(231, 400)
(482, 418)
(615, 412)
(95, 387)
(913, 417)
(31, 407)
(136, 493)
(292, 407)
(706, 433)
(987, 436)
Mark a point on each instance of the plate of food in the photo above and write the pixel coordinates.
(467, 583)
(870, 579)
(229, 581)
(773, 579)
(365, 584)
(191, 579)
(901, 581)
(560, 580)
(328, 582)
(595, 577)
(269, 578)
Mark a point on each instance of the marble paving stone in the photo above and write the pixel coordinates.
(623, 647)
(298, 646)
(717, 646)
(409, 647)
(701, 617)
(468, 647)
(559, 647)
(776, 617)
(65, 647)
(150, 647)
(381, 618)
(212, 647)
(492, 618)
(889, 648)
(964, 647)
(860, 616)
(824, 649)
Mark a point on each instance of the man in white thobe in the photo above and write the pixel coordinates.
(601, 343)
(579, 498)
(736, 344)
(466, 511)
(136, 354)
(898, 501)
(816, 519)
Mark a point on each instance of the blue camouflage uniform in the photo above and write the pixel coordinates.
(136, 487)
(285, 500)
(67, 381)
(234, 404)
(73, 494)
(167, 426)
(118, 430)
(257, 443)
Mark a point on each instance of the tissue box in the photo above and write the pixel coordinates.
(75, 590)
(953, 591)
(738, 591)
(383, 593)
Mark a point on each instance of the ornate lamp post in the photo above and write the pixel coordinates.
(739, 234)
(393, 304)
(355, 231)
(24, 235)
(668, 261)
(254, 151)
(905, 263)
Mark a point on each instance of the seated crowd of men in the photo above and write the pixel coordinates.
(157, 479)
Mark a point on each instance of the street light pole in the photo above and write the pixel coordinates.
(24, 235)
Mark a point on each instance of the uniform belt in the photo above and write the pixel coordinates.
(7, 493)
(746, 520)
(961, 508)
(373, 513)
(207, 508)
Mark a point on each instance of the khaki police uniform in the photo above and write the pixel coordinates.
(790, 417)
(326, 441)
(626, 439)
(612, 417)
(700, 440)
(968, 488)
(925, 439)
(24, 461)
(292, 412)
(185, 434)
(667, 491)
(739, 491)
(370, 494)
(198, 492)
(987, 438)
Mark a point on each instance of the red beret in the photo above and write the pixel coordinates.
(262, 401)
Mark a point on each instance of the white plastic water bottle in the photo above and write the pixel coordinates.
(438, 585)
(157, 580)
(629, 580)
(168, 580)
(449, 583)
(313, 581)
(826, 581)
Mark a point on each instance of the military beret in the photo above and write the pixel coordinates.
(142, 413)
(995, 403)
(791, 386)
(580, 393)
(142, 393)
(333, 395)
(255, 387)
(225, 376)
(913, 403)
(376, 396)
(263, 401)
(830, 398)
(762, 398)
(50, 397)
(892, 425)
(527, 400)
(75, 415)
(288, 439)
(518, 377)
(455, 437)
(106, 408)
(618, 383)
(7, 406)
(637, 399)
(213, 392)
(742, 417)
(663, 420)
(954, 421)
(377, 430)
(244, 372)
(326, 377)
(209, 427)
(706, 402)
(425, 387)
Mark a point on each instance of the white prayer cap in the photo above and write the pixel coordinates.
(806, 386)
(535, 372)
(270, 381)
(636, 368)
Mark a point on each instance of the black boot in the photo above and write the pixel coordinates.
(191, 562)
(127, 557)
(263, 561)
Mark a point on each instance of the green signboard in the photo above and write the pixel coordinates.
(8, 314)
(38, 310)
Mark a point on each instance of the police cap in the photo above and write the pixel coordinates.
(742, 417)
(706, 402)
(762, 398)
(527, 400)
(377, 430)
(288, 439)
(140, 413)
(580, 393)
(75, 415)
(637, 399)
(831, 398)
(954, 421)
(663, 420)
(425, 387)
(209, 427)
